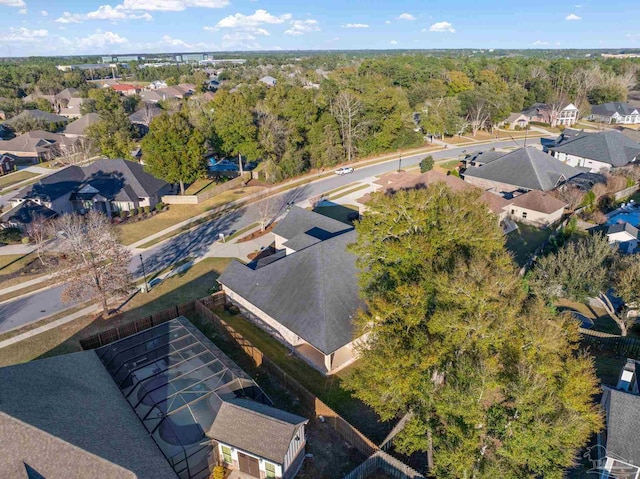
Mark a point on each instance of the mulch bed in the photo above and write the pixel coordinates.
(257, 234)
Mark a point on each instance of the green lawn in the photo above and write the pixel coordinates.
(338, 212)
(330, 389)
(17, 177)
(524, 241)
(347, 192)
(198, 186)
(194, 283)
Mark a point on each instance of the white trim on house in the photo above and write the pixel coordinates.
(578, 161)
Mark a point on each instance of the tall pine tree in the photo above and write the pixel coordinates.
(493, 378)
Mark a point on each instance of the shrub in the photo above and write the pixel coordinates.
(140, 210)
(159, 206)
(147, 209)
(426, 164)
(25, 240)
(218, 473)
(10, 235)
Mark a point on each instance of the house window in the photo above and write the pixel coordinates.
(524, 214)
(271, 470)
(226, 455)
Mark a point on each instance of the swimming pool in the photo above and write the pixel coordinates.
(631, 217)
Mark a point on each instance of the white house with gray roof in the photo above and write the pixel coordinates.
(624, 236)
(616, 112)
(306, 295)
(596, 151)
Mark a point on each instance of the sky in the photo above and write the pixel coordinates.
(74, 27)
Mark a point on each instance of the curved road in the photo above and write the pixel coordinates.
(196, 243)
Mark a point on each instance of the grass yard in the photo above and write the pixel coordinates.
(198, 186)
(17, 177)
(524, 241)
(330, 389)
(457, 140)
(10, 263)
(194, 283)
(338, 212)
(133, 231)
(347, 192)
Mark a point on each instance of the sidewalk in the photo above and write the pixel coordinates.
(16, 249)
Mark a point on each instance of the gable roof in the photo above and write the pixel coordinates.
(312, 292)
(68, 93)
(527, 168)
(65, 412)
(255, 427)
(623, 227)
(118, 179)
(611, 108)
(144, 115)
(35, 141)
(299, 221)
(623, 421)
(25, 212)
(79, 126)
(536, 200)
(124, 87)
(609, 146)
(38, 114)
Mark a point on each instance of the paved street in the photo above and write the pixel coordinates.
(197, 242)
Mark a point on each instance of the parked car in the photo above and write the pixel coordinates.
(345, 170)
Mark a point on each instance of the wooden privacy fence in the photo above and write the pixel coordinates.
(622, 194)
(312, 404)
(381, 461)
(119, 332)
(621, 345)
(207, 194)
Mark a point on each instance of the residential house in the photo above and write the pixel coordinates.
(141, 119)
(36, 146)
(268, 80)
(633, 135)
(545, 113)
(621, 406)
(520, 170)
(596, 151)
(306, 295)
(164, 403)
(50, 119)
(516, 120)
(36, 95)
(68, 94)
(156, 85)
(78, 128)
(24, 214)
(107, 186)
(73, 108)
(623, 235)
(151, 96)
(536, 207)
(7, 163)
(126, 89)
(615, 112)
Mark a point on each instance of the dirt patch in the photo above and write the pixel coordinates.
(257, 234)
(332, 456)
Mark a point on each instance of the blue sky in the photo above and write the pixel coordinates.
(40, 27)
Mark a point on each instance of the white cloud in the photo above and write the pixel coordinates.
(442, 27)
(356, 25)
(540, 43)
(13, 3)
(578, 6)
(172, 5)
(100, 39)
(388, 22)
(300, 27)
(24, 35)
(259, 17)
(104, 12)
(405, 16)
(44, 13)
(572, 16)
(393, 42)
(22, 11)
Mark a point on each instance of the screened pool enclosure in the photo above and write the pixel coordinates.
(176, 381)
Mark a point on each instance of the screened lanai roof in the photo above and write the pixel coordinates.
(176, 380)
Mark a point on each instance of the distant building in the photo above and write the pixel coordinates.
(36, 146)
(545, 113)
(268, 80)
(79, 127)
(125, 89)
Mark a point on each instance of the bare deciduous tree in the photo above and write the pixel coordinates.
(347, 110)
(95, 264)
(572, 195)
(266, 210)
(39, 231)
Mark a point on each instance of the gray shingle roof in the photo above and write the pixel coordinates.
(79, 126)
(118, 179)
(620, 227)
(40, 115)
(608, 109)
(527, 168)
(25, 212)
(313, 292)
(538, 201)
(34, 142)
(623, 423)
(609, 146)
(65, 416)
(145, 114)
(298, 221)
(256, 428)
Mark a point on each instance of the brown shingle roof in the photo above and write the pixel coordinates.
(538, 201)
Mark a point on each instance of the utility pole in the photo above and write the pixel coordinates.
(400, 163)
(146, 285)
(240, 163)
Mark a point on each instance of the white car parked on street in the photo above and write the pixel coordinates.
(344, 170)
